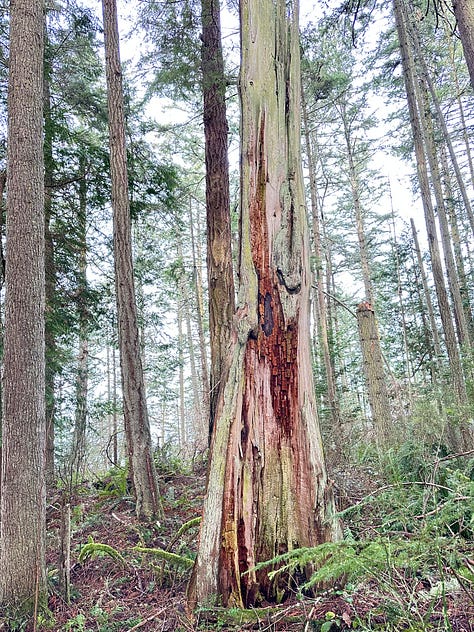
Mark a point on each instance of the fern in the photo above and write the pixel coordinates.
(348, 560)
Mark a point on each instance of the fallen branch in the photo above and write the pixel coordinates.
(172, 558)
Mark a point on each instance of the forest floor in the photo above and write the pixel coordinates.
(138, 591)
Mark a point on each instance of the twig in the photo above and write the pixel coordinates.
(308, 619)
(455, 456)
(148, 619)
(339, 302)
(384, 488)
(461, 583)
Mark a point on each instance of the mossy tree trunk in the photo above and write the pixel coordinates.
(267, 489)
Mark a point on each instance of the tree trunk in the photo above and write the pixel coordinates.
(182, 406)
(197, 284)
(50, 272)
(267, 488)
(401, 302)
(219, 242)
(427, 295)
(457, 248)
(23, 500)
(444, 308)
(136, 422)
(372, 359)
(78, 455)
(358, 211)
(439, 116)
(199, 425)
(432, 155)
(321, 312)
(464, 12)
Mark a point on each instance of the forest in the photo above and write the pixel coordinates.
(236, 315)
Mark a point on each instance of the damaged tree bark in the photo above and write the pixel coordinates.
(267, 491)
(372, 359)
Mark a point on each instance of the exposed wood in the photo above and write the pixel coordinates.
(267, 489)
(372, 358)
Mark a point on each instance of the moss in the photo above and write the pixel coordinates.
(171, 558)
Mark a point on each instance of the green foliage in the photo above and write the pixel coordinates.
(410, 540)
(169, 461)
(76, 624)
(97, 549)
(114, 483)
(19, 618)
(171, 558)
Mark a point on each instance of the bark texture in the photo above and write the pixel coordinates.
(137, 427)
(267, 490)
(23, 500)
(422, 169)
(321, 311)
(372, 358)
(464, 12)
(219, 242)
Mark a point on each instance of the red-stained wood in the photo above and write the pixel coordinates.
(267, 490)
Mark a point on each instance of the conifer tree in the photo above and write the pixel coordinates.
(23, 489)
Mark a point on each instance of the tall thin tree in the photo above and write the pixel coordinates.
(136, 422)
(464, 12)
(219, 249)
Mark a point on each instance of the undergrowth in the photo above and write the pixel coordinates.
(410, 540)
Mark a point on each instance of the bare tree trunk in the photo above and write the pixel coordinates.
(445, 311)
(400, 298)
(458, 254)
(219, 245)
(439, 116)
(182, 407)
(426, 291)
(358, 211)
(50, 274)
(462, 115)
(78, 454)
(267, 489)
(431, 153)
(199, 426)
(197, 284)
(23, 498)
(464, 12)
(136, 422)
(114, 409)
(321, 312)
(372, 358)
